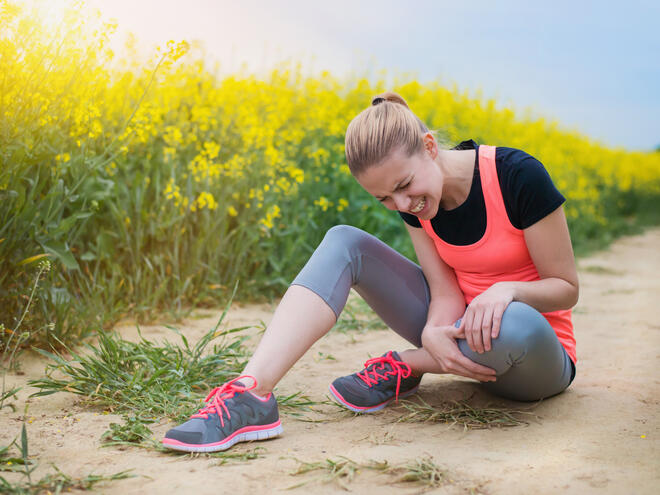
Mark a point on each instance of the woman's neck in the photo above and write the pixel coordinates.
(458, 169)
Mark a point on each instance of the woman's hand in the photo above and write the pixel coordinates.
(440, 343)
(483, 316)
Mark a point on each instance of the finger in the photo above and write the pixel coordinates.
(476, 368)
(476, 331)
(497, 320)
(459, 332)
(463, 371)
(467, 323)
(486, 326)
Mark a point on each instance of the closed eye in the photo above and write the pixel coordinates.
(398, 189)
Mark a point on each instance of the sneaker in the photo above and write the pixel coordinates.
(232, 414)
(383, 379)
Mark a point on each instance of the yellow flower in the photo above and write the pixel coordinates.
(323, 203)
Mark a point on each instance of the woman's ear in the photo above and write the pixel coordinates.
(430, 145)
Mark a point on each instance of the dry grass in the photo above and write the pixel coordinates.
(421, 471)
(462, 413)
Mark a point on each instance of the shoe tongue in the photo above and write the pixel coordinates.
(386, 364)
(395, 355)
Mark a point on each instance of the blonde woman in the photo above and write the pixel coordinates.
(491, 300)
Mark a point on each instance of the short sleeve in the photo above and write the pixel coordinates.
(527, 189)
(411, 220)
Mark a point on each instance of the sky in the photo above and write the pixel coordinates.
(593, 66)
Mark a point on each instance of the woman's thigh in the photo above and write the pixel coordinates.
(530, 361)
(390, 283)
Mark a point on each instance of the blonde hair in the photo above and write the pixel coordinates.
(386, 126)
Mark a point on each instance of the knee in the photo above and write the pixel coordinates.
(344, 235)
(523, 328)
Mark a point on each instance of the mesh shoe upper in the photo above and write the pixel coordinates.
(382, 379)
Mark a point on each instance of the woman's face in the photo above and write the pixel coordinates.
(409, 184)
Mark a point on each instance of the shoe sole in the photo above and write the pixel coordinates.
(360, 409)
(246, 434)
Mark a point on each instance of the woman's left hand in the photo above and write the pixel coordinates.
(483, 316)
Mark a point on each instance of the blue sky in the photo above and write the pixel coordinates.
(592, 66)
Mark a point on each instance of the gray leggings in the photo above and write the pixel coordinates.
(530, 362)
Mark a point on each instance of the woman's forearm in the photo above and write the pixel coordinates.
(549, 294)
(445, 310)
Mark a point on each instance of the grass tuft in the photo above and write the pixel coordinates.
(422, 471)
(462, 413)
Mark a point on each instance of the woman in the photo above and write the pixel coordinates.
(491, 300)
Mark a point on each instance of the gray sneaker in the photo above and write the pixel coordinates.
(232, 414)
(383, 379)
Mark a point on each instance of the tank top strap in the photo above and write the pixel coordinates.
(490, 185)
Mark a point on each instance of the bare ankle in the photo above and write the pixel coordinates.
(262, 393)
(405, 355)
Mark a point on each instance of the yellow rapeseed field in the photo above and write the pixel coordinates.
(155, 185)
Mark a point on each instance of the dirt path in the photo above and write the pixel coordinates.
(600, 436)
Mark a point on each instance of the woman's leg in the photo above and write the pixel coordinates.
(347, 257)
(530, 361)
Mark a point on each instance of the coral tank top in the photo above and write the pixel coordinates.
(500, 255)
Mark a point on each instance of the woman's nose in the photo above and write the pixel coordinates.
(402, 201)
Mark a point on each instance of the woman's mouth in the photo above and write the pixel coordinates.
(419, 206)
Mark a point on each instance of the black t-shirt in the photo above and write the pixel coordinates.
(527, 189)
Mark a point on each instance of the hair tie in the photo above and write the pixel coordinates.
(377, 100)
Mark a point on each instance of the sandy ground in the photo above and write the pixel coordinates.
(600, 436)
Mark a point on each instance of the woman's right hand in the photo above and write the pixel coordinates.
(440, 342)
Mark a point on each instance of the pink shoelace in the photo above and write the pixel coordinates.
(375, 374)
(216, 398)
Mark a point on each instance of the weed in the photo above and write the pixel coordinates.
(297, 403)
(462, 413)
(322, 356)
(423, 471)
(16, 339)
(133, 430)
